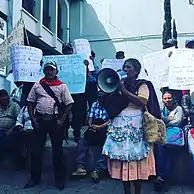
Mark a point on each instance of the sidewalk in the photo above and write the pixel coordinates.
(12, 183)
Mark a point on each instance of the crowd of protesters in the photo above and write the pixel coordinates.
(47, 107)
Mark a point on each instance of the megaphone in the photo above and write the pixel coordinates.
(108, 80)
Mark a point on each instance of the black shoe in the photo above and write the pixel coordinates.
(31, 183)
(159, 185)
(95, 176)
(60, 185)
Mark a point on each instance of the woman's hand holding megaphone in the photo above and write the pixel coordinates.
(122, 87)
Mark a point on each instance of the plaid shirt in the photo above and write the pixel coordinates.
(23, 119)
(8, 116)
(45, 104)
(97, 112)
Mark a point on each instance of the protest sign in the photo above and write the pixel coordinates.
(72, 71)
(82, 46)
(114, 64)
(15, 38)
(157, 66)
(25, 62)
(181, 69)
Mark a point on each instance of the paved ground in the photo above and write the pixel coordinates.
(12, 183)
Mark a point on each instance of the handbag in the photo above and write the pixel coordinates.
(154, 129)
(175, 136)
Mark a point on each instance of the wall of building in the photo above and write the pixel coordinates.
(4, 6)
(34, 22)
(4, 84)
(39, 35)
(132, 26)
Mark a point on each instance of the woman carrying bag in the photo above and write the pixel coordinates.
(130, 156)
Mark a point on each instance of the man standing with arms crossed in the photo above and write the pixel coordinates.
(49, 103)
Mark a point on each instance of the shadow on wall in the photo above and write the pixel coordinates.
(93, 30)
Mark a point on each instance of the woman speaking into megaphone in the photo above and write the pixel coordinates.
(130, 156)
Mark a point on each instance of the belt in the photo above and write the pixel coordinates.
(47, 117)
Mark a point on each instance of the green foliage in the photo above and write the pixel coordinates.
(174, 33)
(167, 25)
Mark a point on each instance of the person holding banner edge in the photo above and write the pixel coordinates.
(49, 103)
(135, 162)
(91, 84)
(79, 109)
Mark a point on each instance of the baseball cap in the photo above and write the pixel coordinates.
(50, 64)
(172, 42)
(187, 42)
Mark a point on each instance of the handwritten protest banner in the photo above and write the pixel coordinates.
(114, 64)
(157, 66)
(72, 71)
(181, 69)
(82, 46)
(15, 38)
(25, 62)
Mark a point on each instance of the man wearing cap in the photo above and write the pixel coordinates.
(47, 117)
(120, 55)
(189, 44)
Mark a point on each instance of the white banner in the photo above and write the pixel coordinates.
(82, 46)
(25, 62)
(16, 37)
(157, 66)
(181, 69)
(114, 64)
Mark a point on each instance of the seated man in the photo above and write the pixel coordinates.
(94, 136)
(24, 131)
(23, 123)
(8, 114)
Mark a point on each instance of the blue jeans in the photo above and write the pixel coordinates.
(83, 148)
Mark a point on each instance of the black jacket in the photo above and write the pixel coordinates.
(188, 107)
(115, 103)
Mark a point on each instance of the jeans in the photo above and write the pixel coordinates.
(83, 148)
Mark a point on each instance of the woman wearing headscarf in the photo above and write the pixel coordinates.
(130, 156)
